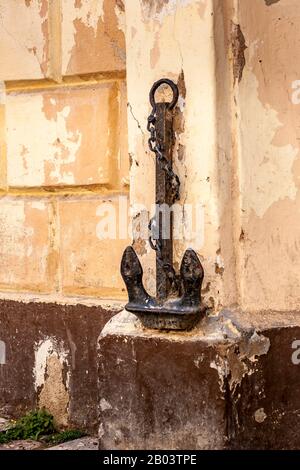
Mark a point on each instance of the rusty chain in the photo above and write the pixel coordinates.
(174, 184)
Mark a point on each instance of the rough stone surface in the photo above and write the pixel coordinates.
(158, 390)
(228, 384)
(84, 443)
(22, 445)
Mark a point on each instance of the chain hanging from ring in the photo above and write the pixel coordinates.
(164, 163)
(166, 166)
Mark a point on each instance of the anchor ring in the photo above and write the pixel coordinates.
(172, 85)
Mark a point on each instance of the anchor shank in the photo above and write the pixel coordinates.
(164, 217)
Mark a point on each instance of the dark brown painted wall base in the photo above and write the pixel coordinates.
(75, 328)
(233, 382)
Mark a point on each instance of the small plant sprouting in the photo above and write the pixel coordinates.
(38, 425)
(31, 426)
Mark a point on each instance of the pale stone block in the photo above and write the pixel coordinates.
(28, 262)
(24, 39)
(91, 263)
(62, 136)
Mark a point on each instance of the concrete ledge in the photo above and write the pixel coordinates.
(229, 383)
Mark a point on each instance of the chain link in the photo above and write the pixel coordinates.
(165, 165)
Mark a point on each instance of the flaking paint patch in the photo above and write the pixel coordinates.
(43, 350)
(71, 130)
(93, 37)
(157, 10)
(119, 12)
(270, 183)
(51, 378)
(266, 169)
(88, 11)
(234, 364)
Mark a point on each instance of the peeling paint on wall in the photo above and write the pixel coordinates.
(92, 36)
(24, 42)
(52, 374)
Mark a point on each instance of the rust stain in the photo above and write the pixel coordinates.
(270, 2)
(238, 51)
(206, 289)
(219, 269)
(179, 118)
(78, 4)
(140, 246)
(181, 85)
(27, 3)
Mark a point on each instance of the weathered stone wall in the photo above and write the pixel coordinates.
(64, 152)
(64, 155)
(63, 158)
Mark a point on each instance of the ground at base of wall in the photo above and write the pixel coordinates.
(81, 443)
(84, 443)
